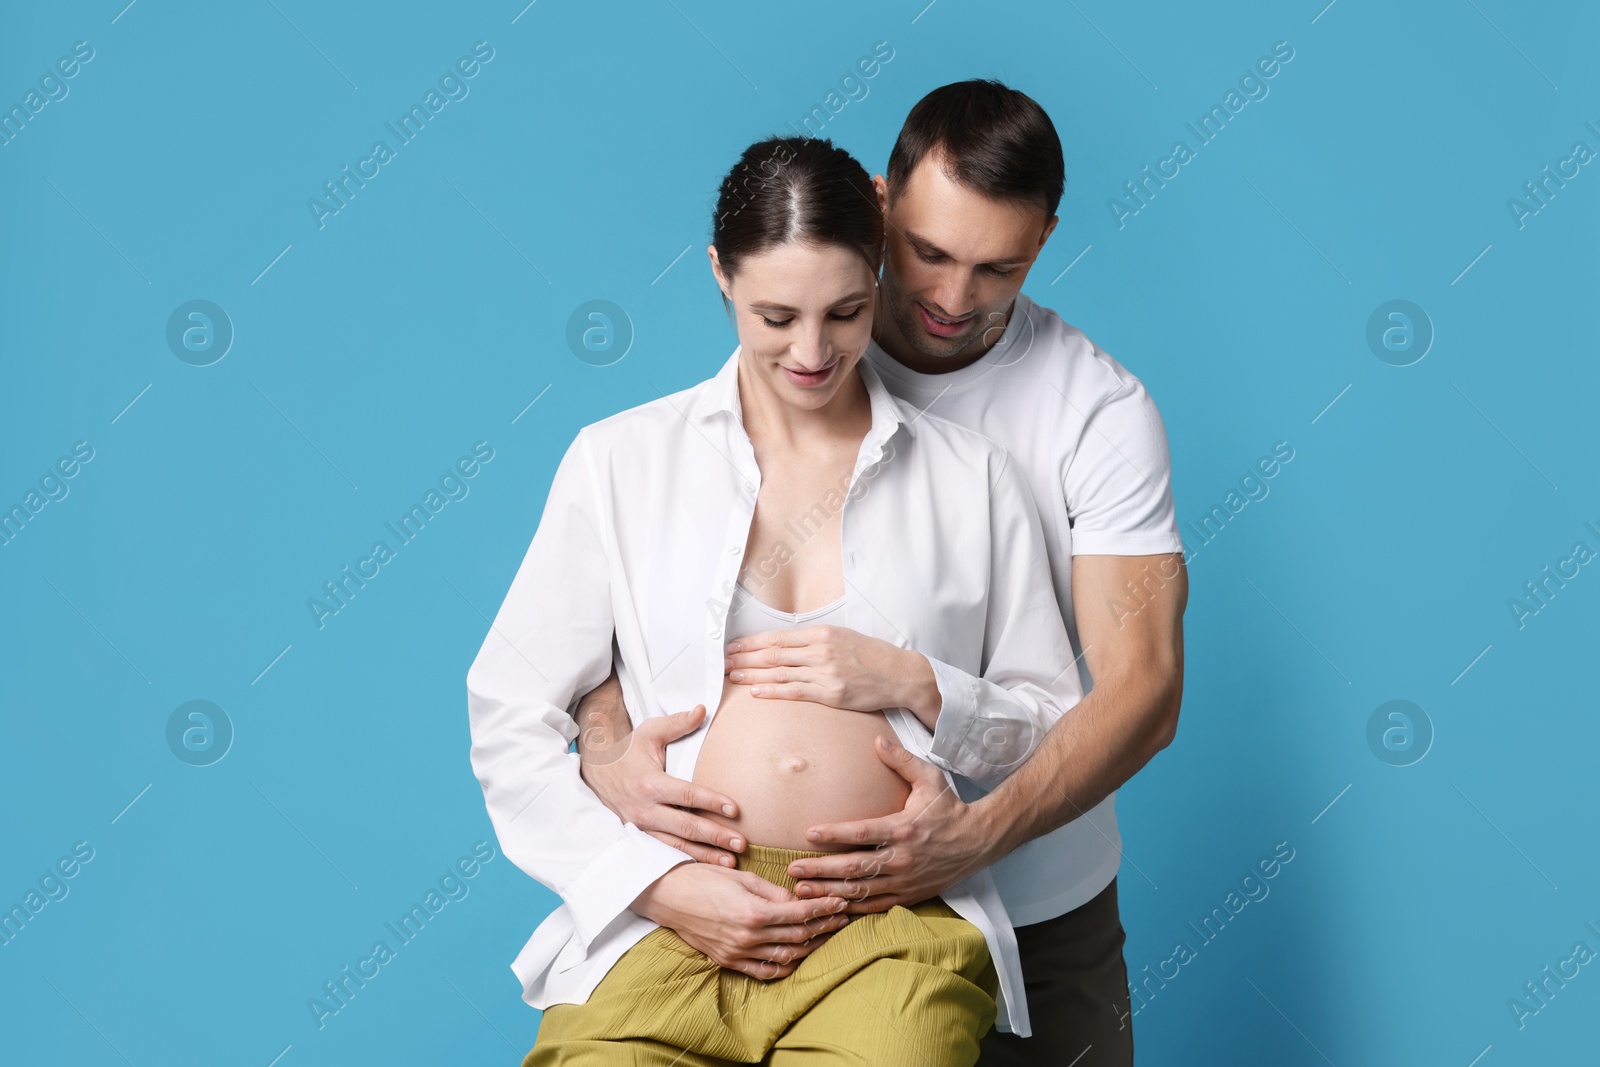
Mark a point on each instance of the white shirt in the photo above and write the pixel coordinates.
(1094, 450)
(642, 540)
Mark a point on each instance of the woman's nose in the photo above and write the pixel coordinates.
(811, 351)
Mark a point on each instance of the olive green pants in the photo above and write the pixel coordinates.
(909, 986)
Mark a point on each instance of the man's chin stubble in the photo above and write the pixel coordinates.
(911, 329)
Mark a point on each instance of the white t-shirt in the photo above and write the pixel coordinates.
(1094, 451)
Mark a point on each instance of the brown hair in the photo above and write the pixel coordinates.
(994, 140)
(796, 189)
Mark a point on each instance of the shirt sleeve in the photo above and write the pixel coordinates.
(1118, 483)
(551, 642)
(989, 725)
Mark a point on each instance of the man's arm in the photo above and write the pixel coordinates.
(1135, 655)
(603, 723)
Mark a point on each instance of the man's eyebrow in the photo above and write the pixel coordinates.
(923, 243)
(763, 305)
(930, 248)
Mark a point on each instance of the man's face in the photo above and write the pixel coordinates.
(956, 262)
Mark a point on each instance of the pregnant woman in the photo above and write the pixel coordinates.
(789, 492)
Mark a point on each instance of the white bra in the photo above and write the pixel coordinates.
(747, 615)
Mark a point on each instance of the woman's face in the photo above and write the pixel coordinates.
(804, 317)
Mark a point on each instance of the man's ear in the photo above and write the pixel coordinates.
(1049, 228)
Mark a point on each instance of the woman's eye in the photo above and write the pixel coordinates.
(854, 314)
(776, 325)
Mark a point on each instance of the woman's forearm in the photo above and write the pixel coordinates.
(921, 689)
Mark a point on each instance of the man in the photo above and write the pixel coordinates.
(970, 197)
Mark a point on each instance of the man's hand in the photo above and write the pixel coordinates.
(627, 774)
(924, 849)
(836, 666)
(739, 919)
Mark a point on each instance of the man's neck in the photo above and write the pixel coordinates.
(886, 332)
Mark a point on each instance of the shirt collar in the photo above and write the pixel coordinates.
(720, 396)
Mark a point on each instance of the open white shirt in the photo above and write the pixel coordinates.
(641, 544)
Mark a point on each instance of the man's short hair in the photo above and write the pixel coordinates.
(994, 140)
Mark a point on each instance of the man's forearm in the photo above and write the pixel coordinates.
(1096, 747)
(603, 723)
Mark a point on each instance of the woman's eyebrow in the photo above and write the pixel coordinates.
(763, 305)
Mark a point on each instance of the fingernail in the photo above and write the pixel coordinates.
(736, 843)
(726, 663)
(727, 809)
(802, 891)
(726, 861)
(797, 872)
(737, 676)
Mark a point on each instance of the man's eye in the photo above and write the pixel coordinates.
(998, 273)
(776, 325)
(927, 258)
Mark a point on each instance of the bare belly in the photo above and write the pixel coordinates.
(791, 765)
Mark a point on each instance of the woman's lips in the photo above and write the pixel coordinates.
(810, 379)
(941, 329)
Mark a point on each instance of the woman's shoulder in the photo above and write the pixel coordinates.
(945, 444)
(646, 427)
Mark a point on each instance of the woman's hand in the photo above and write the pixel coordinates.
(836, 666)
(739, 919)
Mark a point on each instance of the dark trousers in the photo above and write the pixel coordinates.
(1077, 987)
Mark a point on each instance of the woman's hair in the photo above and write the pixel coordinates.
(788, 189)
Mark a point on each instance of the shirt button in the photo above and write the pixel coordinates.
(733, 550)
(714, 631)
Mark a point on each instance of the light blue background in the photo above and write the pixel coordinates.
(432, 310)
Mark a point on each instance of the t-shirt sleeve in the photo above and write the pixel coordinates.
(1118, 483)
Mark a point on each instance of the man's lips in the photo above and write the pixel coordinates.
(942, 329)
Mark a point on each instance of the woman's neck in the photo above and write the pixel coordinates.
(771, 420)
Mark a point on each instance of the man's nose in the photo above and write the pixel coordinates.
(953, 294)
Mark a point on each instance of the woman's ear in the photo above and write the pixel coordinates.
(717, 272)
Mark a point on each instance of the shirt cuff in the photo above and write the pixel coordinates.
(611, 881)
(958, 713)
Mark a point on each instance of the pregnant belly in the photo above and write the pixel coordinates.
(791, 765)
